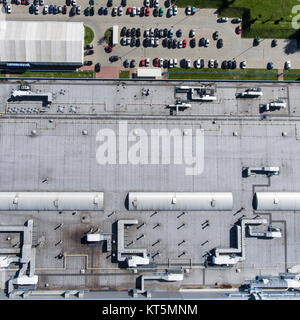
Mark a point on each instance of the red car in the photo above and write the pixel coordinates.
(108, 49)
(156, 62)
(239, 30)
(147, 13)
(64, 10)
(184, 43)
(143, 63)
(129, 10)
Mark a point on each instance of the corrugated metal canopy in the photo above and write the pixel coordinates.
(41, 41)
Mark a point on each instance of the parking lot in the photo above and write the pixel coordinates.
(203, 22)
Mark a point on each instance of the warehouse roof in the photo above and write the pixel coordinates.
(41, 41)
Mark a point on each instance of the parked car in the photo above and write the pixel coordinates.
(138, 32)
(236, 20)
(97, 67)
(287, 65)
(270, 65)
(197, 64)
(171, 33)
(274, 43)
(211, 63)
(170, 12)
(188, 64)
(113, 58)
(78, 9)
(147, 12)
(161, 11)
(89, 46)
(179, 33)
(8, 9)
(126, 63)
(223, 19)
(123, 32)
(216, 64)
(238, 29)
(147, 62)
(192, 33)
(193, 43)
(206, 42)
(88, 63)
(220, 43)
(45, 10)
(256, 41)
(64, 9)
(105, 11)
(188, 10)
(132, 63)
(175, 10)
(243, 64)
(216, 35)
(89, 52)
(120, 11)
(202, 42)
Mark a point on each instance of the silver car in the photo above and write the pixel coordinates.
(78, 10)
(41, 2)
(120, 11)
(36, 9)
(156, 41)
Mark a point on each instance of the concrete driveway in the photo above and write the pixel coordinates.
(204, 22)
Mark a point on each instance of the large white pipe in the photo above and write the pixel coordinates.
(170, 201)
(285, 201)
(44, 201)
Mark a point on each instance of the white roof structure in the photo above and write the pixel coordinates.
(149, 73)
(287, 201)
(115, 35)
(49, 201)
(170, 201)
(41, 41)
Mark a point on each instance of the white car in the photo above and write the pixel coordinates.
(36, 9)
(151, 32)
(147, 33)
(188, 64)
(188, 10)
(120, 11)
(175, 11)
(8, 8)
(133, 11)
(287, 65)
(73, 3)
(175, 63)
(171, 63)
(211, 63)
(152, 42)
(198, 64)
(147, 62)
(206, 42)
(156, 3)
(46, 9)
(243, 64)
(161, 62)
(180, 44)
(147, 3)
(138, 11)
(128, 41)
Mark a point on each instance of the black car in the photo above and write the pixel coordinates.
(123, 3)
(105, 11)
(146, 42)
(88, 63)
(92, 11)
(220, 43)
(128, 33)
(165, 32)
(97, 67)
(236, 20)
(256, 41)
(89, 52)
(175, 42)
(109, 3)
(138, 42)
(142, 12)
(216, 35)
(201, 42)
(100, 11)
(274, 43)
(89, 46)
(55, 9)
(170, 43)
(133, 32)
(216, 64)
(126, 64)
(165, 42)
(168, 3)
(233, 64)
(193, 43)
(161, 33)
(132, 64)
(156, 32)
(224, 64)
(155, 12)
(138, 32)
(133, 42)
(123, 32)
(229, 64)
(113, 58)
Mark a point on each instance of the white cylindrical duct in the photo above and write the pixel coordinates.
(170, 201)
(44, 201)
(285, 201)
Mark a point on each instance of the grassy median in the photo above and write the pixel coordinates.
(88, 35)
(220, 74)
